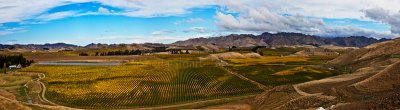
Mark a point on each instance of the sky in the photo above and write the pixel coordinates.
(83, 22)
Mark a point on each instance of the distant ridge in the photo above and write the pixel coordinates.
(238, 40)
(280, 39)
(38, 46)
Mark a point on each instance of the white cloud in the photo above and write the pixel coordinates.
(103, 10)
(260, 17)
(19, 10)
(253, 15)
(55, 16)
(197, 29)
(316, 8)
(12, 31)
(385, 16)
(153, 8)
(190, 20)
(161, 32)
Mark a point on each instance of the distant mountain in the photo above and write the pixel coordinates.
(280, 39)
(38, 46)
(133, 46)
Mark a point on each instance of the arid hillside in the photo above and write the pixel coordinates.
(370, 81)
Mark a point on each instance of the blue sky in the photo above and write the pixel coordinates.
(84, 21)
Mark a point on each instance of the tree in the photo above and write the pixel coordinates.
(187, 52)
(5, 68)
(261, 53)
(126, 52)
(83, 54)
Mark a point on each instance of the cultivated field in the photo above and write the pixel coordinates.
(165, 79)
(276, 70)
(140, 84)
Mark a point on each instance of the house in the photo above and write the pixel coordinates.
(15, 66)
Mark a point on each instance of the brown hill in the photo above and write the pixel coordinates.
(374, 84)
(385, 80)
(379, 54)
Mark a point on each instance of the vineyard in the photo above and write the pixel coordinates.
(275, 70)
(140, 84)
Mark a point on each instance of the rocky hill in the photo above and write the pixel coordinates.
(280, 39)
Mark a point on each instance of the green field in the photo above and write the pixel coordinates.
(140, 84)
(298, 68)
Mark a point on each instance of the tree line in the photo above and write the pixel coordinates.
(7, 60)
(118, 52)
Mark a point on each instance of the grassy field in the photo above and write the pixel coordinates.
(276, 70)
(12, 85)
(140, 84)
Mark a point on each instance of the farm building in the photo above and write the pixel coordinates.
(15, 66)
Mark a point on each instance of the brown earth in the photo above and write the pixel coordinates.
(7, 95)
(387, 79)
(7, 104)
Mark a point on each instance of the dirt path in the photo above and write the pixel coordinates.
(43, 88)
(259, 85)
(337, 81)
(41, 76)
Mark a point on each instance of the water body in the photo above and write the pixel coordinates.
(81, 63)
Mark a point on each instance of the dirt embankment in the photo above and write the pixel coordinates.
(385, 80)
(8, 104)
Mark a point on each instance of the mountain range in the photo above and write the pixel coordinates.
(238, 40)
(280, 39)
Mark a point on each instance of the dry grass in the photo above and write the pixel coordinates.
(382, 81)
(13, 80)
(299, 69)
(7, 104)
(267, 60)
(231, 55)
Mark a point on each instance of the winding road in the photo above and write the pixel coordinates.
(41, 76)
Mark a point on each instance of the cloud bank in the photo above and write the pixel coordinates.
(261, 18)
(304, 16)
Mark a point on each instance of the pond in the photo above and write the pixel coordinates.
(80, 63)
